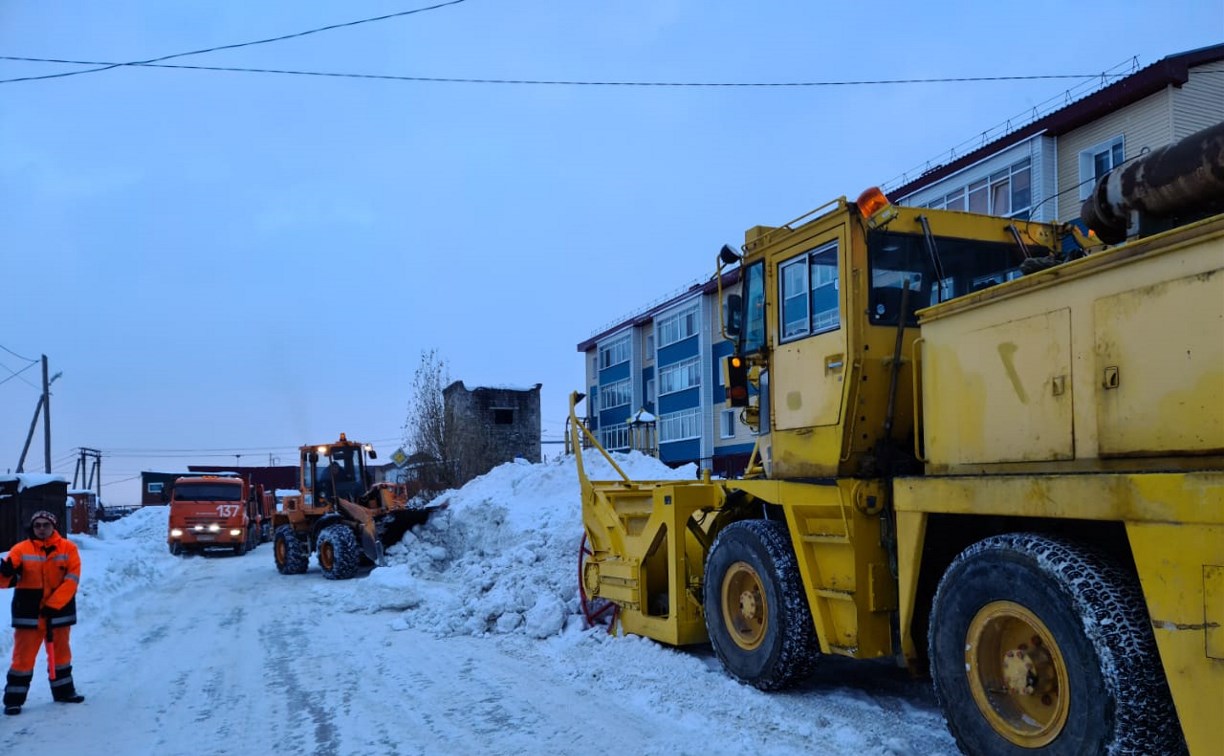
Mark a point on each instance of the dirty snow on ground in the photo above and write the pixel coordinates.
(469, 640)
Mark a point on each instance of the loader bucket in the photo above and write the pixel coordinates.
(395, 523)
(369, 544)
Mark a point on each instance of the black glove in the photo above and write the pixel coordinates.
(48, 611)
(6, 568)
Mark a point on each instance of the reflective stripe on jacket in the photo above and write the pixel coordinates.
(50, 571)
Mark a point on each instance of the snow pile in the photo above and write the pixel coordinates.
(127, 554)
(503, 556)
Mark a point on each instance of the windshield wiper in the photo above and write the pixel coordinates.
(933, 252)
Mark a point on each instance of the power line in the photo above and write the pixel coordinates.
(538, 82)
(17, 374)
(182, 455)
(10, 351)
(281, 38)
(228, 451)
(131, 452)
(121, 480)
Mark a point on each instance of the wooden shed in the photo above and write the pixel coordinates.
(22, 495)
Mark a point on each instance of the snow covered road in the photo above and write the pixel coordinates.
(468, 643)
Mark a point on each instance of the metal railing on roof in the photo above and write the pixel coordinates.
(696, 282)
(1019, 121)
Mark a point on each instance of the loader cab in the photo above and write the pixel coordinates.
(334, 471)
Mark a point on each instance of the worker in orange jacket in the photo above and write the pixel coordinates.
(45, 569)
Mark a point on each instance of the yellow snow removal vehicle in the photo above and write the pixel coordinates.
(977, 453)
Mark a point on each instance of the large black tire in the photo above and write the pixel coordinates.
(1042, 645)
(292, 556)
(756, 611)
(339, 553)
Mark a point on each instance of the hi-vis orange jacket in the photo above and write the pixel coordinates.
(49, 572)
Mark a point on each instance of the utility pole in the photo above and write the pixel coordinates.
(46, 418)
(29, 436)
(91, 479)
(43, 407)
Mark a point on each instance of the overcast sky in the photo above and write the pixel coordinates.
(227, 263)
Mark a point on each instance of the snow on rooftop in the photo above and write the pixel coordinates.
(31, 480)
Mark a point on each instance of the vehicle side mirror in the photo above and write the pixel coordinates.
(165, 494)
(314, 456)
(734, 315)
(373, 454)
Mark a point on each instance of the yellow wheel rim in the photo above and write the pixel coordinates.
(327, 556)
(744, 606)
(1017, 674)
(280, 552)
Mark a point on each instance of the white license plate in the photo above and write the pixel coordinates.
(206, 538)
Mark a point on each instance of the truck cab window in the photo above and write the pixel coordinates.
(968, 266)
(753, 338)
(208, 492)
(809, 293)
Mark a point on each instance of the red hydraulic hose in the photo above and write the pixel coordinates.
(592, 616)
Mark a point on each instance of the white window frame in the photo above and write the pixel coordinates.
(680, 426)
(678, 326)
(650, 390)
(989, 188)
(680, 376)
(614, 352)
(616, 394)
(726, 423)
(1087, 162)
(614, 437)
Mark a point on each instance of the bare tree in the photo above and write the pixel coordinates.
(425, 429)
(450, 442)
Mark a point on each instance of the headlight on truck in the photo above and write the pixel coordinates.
(214, 528)
(176, 533)
(235, 532)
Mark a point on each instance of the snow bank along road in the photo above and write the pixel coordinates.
(223, 655)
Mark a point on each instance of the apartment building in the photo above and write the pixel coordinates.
(663, 364)
(1045, 170)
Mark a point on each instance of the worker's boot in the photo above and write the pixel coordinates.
(62, 688)
(16, 687)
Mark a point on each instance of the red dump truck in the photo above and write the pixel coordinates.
(218, 512)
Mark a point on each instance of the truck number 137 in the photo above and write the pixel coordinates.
(227, 510)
